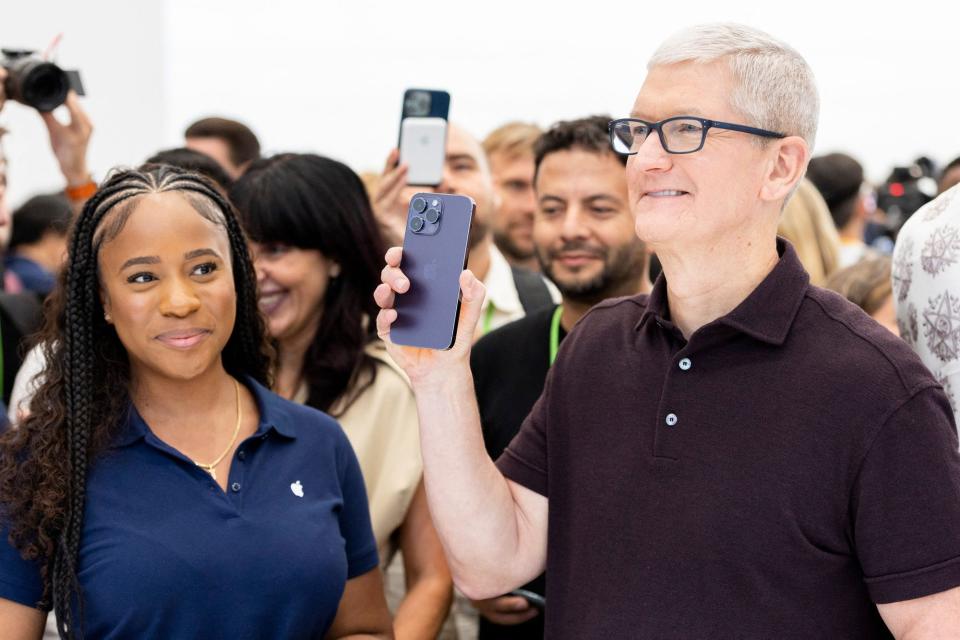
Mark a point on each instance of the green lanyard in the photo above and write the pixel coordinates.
(555, 334)
(554, 329)
(488, 319)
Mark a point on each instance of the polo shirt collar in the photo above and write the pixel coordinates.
(274, 416)
(501, 288)
(766, 314)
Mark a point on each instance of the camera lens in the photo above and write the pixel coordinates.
(432, 215)
(416, 224)
(435, 204)
(419, 204)
(41, 85)
(417, 103)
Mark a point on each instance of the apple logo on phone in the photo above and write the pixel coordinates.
(431, 270)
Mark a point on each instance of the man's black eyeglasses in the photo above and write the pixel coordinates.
(680, 134)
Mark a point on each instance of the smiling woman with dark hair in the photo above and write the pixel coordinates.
(157, 488)
(318, 252)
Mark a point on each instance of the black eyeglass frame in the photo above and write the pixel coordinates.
(706, 123)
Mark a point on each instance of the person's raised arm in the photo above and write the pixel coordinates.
(494, 531)
(389, 202)
(69, 143)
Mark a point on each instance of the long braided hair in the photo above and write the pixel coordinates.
(83, 398)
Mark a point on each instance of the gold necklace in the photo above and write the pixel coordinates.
(211, 468)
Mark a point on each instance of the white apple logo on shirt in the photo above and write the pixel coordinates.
(297, 489)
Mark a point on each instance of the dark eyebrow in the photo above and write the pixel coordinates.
(140, 260)
(196, 253)
(602, 196)
(546, 197)
(453, 157)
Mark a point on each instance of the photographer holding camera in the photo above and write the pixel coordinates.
(69, 143)
(20, 313)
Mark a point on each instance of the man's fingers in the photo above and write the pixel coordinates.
(394, 255)
(51, 121)
(385, 318)
(472, 293)
(393, 277)
(392, 159)
(510, 604)
(78, 117)
(384, 297)
(391, 183)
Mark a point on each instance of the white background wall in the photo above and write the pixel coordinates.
(118, 46)
(328, 77)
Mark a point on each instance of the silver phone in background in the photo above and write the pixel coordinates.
(423, 143)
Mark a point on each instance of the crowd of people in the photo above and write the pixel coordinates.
(703, 384)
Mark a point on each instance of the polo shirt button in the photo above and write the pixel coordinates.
(242, 454)
(671, 419)
(235, 487)
(685, 364)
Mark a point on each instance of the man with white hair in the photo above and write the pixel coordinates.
(736, 454)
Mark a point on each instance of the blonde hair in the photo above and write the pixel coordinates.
(512, 139)
(807, 224)
(775, 88)
(866, 284)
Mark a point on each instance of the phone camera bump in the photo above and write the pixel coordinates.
(419, 204)
(417, 103)
(416, 224)
(432, 215)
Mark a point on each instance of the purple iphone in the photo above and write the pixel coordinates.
(435, 248)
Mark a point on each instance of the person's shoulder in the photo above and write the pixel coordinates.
(517, 331)
(293, 419)
(859, 346)
(623, 312)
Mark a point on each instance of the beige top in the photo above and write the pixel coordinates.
(383, 428)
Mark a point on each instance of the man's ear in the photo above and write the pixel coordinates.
(787, 166)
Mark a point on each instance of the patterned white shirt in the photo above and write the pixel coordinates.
(926, 284)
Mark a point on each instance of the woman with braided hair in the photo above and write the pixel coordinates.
(157, 489)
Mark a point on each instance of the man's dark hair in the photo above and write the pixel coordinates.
(838, 178)
(195, 161)
(589, 134)
(242, 142)
(38, 216)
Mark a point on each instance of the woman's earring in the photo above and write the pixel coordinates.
(107, 318)
(334, 270)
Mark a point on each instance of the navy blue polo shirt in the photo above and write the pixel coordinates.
(777, 475)
(166, 553)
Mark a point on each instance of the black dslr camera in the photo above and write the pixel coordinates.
(36, 83)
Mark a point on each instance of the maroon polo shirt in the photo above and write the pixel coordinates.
(775, 476)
